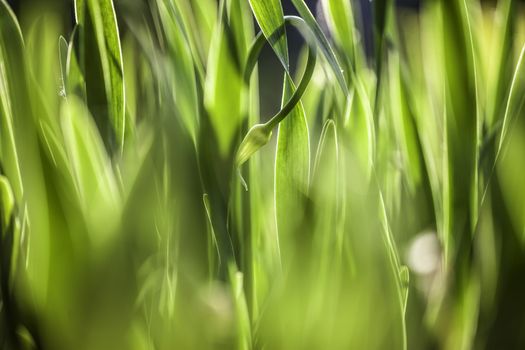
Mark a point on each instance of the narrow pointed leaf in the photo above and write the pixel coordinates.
(104, 75)
(324, 45)
(270, 16)
(292, 168)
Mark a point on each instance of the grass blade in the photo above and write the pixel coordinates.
(104, 76)
(292, 170)
(270, 16)
(323, 43)
(94, 178)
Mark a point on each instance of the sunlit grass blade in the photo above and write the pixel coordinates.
(514, 101)
(324, 45)
(340, 18)
(185, 89)
(327, 198)
(93, 174)
(11, 44)
(292, 172)
(63, 47)
(74, 78)
(270, 16)
(223, 90)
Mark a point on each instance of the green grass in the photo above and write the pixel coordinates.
(147, 204)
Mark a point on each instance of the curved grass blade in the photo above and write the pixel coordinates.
(260, 134)
(323, 43)
(270, 16)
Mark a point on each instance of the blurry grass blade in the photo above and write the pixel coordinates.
(242, 318)
(325, 195)
(8, 202)
(340, 19)
(404, 276)
(94, 177)
(23, 167)
(184, 89)
(62, 54)
(74, 79)
(514, 101)
(270, 16)
(213, 245)
(223, 90)
(501, 63)
(381, 13)
(11, 46)
(402, 122)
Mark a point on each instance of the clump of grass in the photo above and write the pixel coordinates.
(147, 204)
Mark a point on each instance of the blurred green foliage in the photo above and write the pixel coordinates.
(145, 202)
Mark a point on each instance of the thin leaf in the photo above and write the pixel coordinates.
(11, 46)
(94, 178)
(223, 89)
(323, 43)
(292, 168)
(63, 48)
(101, 35)
(270, 16)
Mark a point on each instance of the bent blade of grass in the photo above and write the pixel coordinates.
(11, 232)
(260, 134)
(323, 43)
